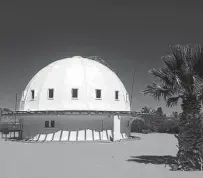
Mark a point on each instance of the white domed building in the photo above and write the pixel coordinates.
(75, 99)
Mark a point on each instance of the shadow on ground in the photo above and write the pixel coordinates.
(149, 159)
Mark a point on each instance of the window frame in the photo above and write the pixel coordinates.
(49, 93)
(96, 94)
(116, 94)
(45, 124)
(52, 122)
(74, 98)
(32, 94)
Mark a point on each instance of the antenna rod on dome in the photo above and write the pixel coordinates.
(16, 105)
(132, 87)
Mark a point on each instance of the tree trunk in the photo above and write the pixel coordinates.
(190, 138)
(190, 105)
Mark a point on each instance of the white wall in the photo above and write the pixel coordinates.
(33, 125)
(84, 74)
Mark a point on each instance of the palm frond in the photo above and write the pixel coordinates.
(200, 98)
(157, 91)
(171, 63)
(181, 76)
(172, 101)
(197, 85)
(190, 57)
(183, 58)
(178, 54)
(163, 75)
(198, 61)
(178, 69)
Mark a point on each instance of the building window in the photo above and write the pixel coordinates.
(51, 94)
(49, 124)
(46, 124)
(74, 93)
(98, 94)
(32, 94)
(116, 95)
(52, 124)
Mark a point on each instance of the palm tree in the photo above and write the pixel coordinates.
(181, 79)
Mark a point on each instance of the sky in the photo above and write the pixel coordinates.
(128, 35)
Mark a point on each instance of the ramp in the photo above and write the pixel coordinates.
(65, 135)
(104, 135)
(96, 135)
(49, 137)
(57, 136)
(36, 138)
(89, 135)
(9, 135)
(73, 136)
(81, 135)
(16, 134)
(109, 134)
(12, 134)
(42, 137)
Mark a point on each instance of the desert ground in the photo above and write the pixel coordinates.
(142, 158)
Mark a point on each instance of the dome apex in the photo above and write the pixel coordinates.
(77, 57)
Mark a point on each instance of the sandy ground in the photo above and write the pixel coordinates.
(91, 160)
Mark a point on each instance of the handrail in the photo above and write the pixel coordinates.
(67, 112)
(10, 126)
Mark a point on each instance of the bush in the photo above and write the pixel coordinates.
(156, 124)
(138, 126)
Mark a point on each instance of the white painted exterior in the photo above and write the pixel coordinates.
(77, 72)
(87, 76)
(117, 128)
(75, 128)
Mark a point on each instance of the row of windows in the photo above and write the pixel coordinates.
(49, 124)
(98, 94)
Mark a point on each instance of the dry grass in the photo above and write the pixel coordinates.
(92, 160)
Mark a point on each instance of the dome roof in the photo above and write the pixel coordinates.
(71, 84)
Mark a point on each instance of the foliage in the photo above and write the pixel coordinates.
(4, 110)
(190, 144)
(175, 114)
(138, 126)
(146, 110)
(159, 111)
(181, 79)
(155, 124)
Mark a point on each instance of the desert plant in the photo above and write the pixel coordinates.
(182, 79)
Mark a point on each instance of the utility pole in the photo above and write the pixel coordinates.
(16, 106)
(0, 114)
(132, 88)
